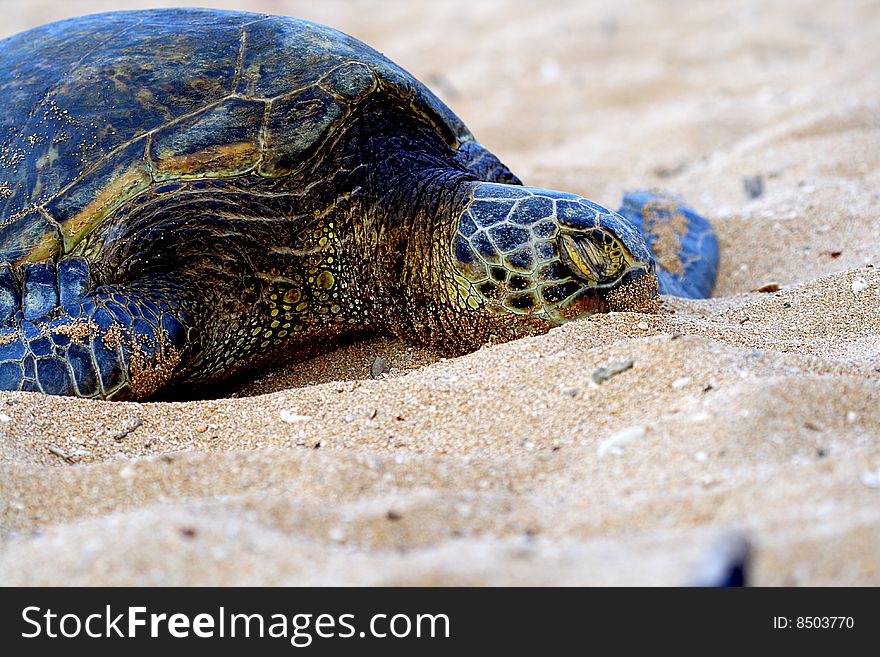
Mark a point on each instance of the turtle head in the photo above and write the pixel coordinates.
(548, 255)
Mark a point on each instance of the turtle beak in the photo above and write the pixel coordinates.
(635, 291)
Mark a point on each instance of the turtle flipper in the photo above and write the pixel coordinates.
(61, 336)
(682, 242)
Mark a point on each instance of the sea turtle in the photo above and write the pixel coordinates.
(188, 193)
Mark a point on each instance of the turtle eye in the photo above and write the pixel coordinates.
(595, 256)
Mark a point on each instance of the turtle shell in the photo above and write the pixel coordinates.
(97, 109)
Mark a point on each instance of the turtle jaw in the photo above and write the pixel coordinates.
(636, 290)
(614, 279)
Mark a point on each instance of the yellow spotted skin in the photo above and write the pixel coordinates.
(295, 304)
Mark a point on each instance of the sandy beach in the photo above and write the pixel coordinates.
(753, 414)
